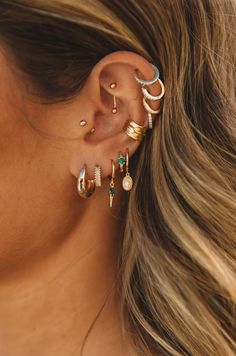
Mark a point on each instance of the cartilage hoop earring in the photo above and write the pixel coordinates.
(112, 189)
(127, 182)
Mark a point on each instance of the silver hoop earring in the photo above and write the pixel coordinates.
(149, 109)
(154, 97)
(153, 80)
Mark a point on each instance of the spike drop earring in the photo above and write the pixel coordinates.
(112, 190)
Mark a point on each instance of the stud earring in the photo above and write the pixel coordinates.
(127, 182)
(114, 109)
(121, 162)
(112, 190)
(83, 123)
(98, 176)
(85, 186)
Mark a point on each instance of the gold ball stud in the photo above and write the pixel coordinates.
(83, 123)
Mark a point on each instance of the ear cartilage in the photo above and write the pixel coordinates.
(113, 85)
(98, 175)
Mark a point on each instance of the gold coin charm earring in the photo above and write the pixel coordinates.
(112, 189)
(127, 182)
(114, 109)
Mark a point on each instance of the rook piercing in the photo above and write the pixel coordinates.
(114, 109)
(127, 182)
(112, 190)
(98, 176)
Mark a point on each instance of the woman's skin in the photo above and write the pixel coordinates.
(58, 252)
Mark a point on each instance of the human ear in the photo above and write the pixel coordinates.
(111, 84)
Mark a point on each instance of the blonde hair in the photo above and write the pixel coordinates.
(178, 256)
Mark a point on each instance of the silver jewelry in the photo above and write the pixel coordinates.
(153, 80)
(98, 176)
(154, 97)
(148, 108)
(150, 122)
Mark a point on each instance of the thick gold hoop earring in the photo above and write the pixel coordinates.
(85, 186)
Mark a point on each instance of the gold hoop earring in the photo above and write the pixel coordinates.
(85, 187)
(127, 182)
(112, 189)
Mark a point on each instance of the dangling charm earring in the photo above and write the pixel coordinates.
(112, 190)
(127, 182)
(121, 162)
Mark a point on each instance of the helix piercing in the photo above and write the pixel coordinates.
(149, 109)
(152, 81)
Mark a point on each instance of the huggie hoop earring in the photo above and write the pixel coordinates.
(85, 186)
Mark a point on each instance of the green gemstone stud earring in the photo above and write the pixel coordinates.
(121, 162)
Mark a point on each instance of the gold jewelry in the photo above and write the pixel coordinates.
(92, 130)
(121, 161)
(114, 109)
(85, 186)
(127, 182)
(112, 190)
(98, 175)
(135, 131)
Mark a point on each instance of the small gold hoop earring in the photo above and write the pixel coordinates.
(85, 187)
(127, 182)
(112, 189)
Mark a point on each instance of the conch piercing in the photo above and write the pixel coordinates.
(127, 182)
(85, 186)
(121, 161)
(135, 131)
(98, 175)
(112, 190)
(114, 109)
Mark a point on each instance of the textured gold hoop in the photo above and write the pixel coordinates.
(135, 131)
(85, 186)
